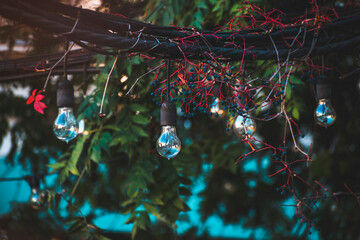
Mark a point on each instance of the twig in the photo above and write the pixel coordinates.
(143, 76)
(106, 85)
(51, 69)
(77, 184)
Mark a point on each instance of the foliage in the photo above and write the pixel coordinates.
(114, 165)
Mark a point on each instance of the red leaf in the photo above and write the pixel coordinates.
(39, 106)
(32, 97)
(39, 97)
(30, 100)
(33, 93)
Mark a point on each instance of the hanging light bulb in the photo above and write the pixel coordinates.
(36, 199)
(244, 127)
(65, 126)
(339, 4)
(215, 108)
(324, 114)
(3, 235)
(168, 144)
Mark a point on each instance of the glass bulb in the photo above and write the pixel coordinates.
(325, 114)
(339, 4)
(216, 109)
(35, 199)
(65, 126)
(168, 144)
(244, 127)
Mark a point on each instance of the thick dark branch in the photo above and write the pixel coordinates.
(165, 42)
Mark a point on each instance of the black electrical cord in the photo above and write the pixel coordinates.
(168, 81)
(39, 62)
(26, 177)
(163, 42)
(65, 59)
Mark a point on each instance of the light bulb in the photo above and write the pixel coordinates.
(36, 201)
(339, 4)
(168, 144)
(65, 126)
(324, 114)
(3, 235)
(244, 127)
(216, 109)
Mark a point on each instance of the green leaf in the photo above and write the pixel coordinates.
(56, 165)
(133, 231)
(147, 176)
(166, 18)
(152, 209)
(105, 141)
(129, 208)
(201, 4)
(143, 221)
(112, 127)
(175, 6)
(179, 203)
(131, 219)
(136, 60)
(75, 155)
(63, 175)
(95, 153)
(235, 8)
(295, 113)
(127, 202)
(156, 200)
(73, 169)
(140, 119)
(217, 6)
(139, 131)
(138, 108)
(198, 19)
(98, 236)
(131, 190)
(288, 91)
(129, 69)
(296, 80)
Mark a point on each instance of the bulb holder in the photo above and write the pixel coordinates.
(168, 114)
(219, 87)
(323, 90)
(323, 86)
(34, 182)
(65, 94)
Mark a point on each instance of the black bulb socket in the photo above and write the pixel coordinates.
(65, 94)
(168, 114)
(323, 86)
(323, 91)
(34, 182)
